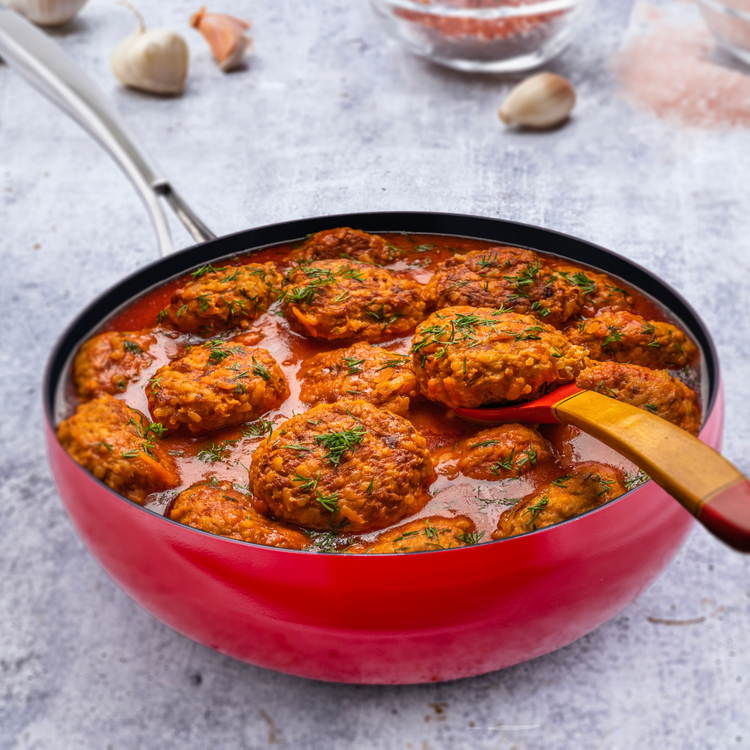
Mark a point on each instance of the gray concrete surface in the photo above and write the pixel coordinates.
(331, 116)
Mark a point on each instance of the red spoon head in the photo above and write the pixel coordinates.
(541, 410)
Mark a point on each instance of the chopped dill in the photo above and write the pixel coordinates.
(483, 444)
(203, 270)
(560, 481)
(131, 347)
(506, 465)
(213, 452)
(338, 442)
(218, 352)
(260, 371)
(613, 337)
(470, 537)
(306, 483)
(405, 535)
(297, 447)
(258, 428)
(329, 502)
(430, 531)
(531, 456)
(354, 365)
(402, 359)
(536, 509)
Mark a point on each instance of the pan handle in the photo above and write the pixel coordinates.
(48, 69)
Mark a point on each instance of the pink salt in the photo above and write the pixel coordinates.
(668, 70)
(738, 4)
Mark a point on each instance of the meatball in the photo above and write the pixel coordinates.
(345, 242)
(108, 361)
(365, 372)
(600, 292)
(219, 299)
(217, 507)
(345, 465)
(509, 450)
(340, 299)
(626, 337)
(505, 276)
(653, 390)
(422, 535)
(469, 356)
(586, 487)
(217, 384)
(119, 446)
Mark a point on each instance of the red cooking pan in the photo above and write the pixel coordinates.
(363, 619)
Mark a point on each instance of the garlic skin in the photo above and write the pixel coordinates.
(46, 12)
(153, 60)
(541, 101)
(226, 35)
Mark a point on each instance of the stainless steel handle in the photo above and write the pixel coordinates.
(48, 69)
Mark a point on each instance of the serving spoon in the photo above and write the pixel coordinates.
(698, 477)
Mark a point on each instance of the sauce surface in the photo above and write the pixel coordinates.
(227, 453)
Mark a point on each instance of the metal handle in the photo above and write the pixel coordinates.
(48, 69)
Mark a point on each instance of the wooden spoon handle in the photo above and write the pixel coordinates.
(704, 482)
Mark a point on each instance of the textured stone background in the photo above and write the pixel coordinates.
(331, 116)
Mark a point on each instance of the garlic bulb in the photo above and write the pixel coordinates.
(154, 60)
(46, 12)
(225, 35)
(541, 101)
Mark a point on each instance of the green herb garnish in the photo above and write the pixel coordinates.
(131, 347)
(340, 441)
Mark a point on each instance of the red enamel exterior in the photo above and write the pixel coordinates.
(388, 619)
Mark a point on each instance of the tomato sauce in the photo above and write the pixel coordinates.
(226, 454)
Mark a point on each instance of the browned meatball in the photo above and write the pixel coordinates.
(600, 292)
(626, 337)
(345, 242)
(509, 450)
(505, 276)
(383, 378)
(469, 356)
(217, 384)
(341, 299)
(120, 446)
(219, 299)
(217, 507)
(346, 465)
(586, 487)
(653, 390)
(108, 361)
(422, 535)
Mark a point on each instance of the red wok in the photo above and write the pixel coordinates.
(386, 619)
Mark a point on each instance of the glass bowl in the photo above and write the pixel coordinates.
(729, 22)
(492, 36)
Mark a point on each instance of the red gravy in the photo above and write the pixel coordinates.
(226, 454)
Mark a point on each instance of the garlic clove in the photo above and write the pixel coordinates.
(226, 35)
(541, 101)
(153, 60)
(46, 12)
